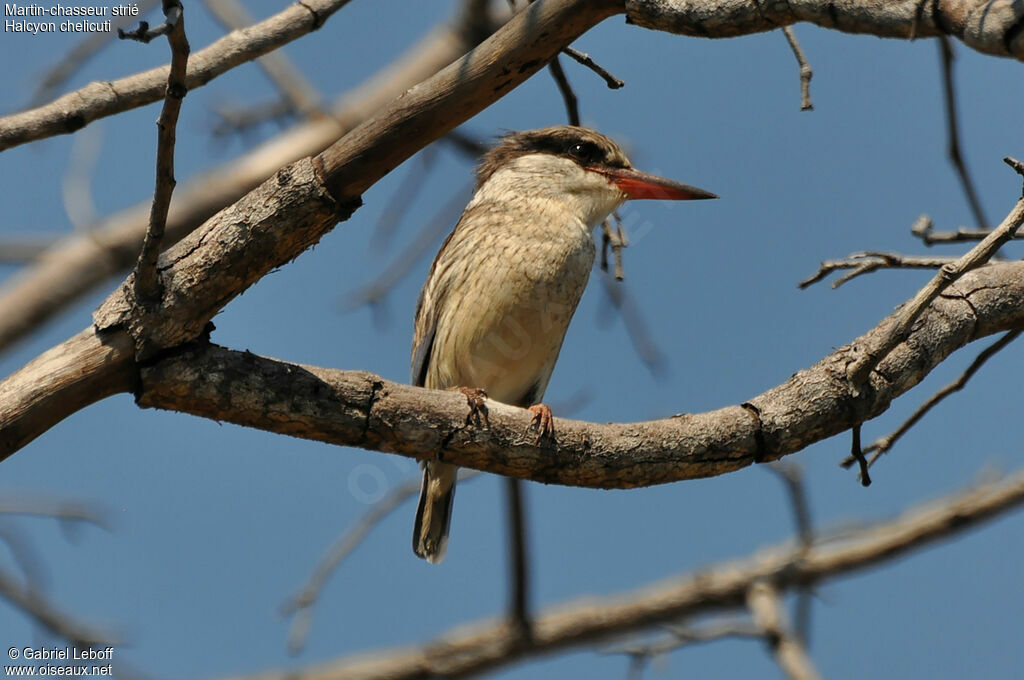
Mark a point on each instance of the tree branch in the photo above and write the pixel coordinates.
(50, 618)
(483, 646)
(766, 609)
(77, 109)
(360, 409)
(995, 28)
(147, 279)
(288, 213)
(990, 28)
(80, 262)
(872, 354)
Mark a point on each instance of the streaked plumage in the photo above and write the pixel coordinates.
(505, 284)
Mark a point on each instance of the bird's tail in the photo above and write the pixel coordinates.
(434, 514)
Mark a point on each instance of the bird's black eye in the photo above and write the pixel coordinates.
(585, 152)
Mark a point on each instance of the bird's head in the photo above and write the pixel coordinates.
(573, 164)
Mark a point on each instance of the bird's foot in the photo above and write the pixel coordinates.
(475, 397)
(543, 421)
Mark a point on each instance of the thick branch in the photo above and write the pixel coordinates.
(990, 26)
(993, 27)
(872, 354)
(483, 645)
(290, 212)
(359, 409)
(80, 262)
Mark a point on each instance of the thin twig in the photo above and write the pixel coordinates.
(859, 370)
(857, 453)
(147, 280)
(953, 126)
(924, 229)
(20, 250)
(59, 510)
(792, 478)
(805, 68)
(402, 198)
(76, 185)
(173, 14)
(766, 609)
(684, 636)
(237, 121)
(584, 59)
(793, 481)
(617, 241)
(871, 260)
(568, 96)
(301, 604)
(518, 554)
(884, 444)
(298, 93)
(49, 617)
(643, 343)
(80, 54)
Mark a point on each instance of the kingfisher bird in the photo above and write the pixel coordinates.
(497, 302)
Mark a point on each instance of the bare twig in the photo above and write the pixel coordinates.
(924, 229)
(791, 476)
(483, 646)
(792, 479)
(805, 68)
(581, 58)
(617, 241)
(19, 250)
(76, 185)
(953, 127)
(519, 565)
(403, 197)
(861, 368)
(80, 54)
(49, 617)
(147, 279)
(868, 261)
(584, 59)
(233, 120)
(857, 453)
(568, 96)
(81, 262)
(298, 93)
(77, 109)
(882, 445)
(301, 604)
(639, 335)
(173, 15)
(768, 613)
(65, 511)
(684, 636)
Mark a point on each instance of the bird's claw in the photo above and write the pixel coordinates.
(543, 421)
(475, 397)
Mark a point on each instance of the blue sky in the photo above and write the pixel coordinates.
(213, 526)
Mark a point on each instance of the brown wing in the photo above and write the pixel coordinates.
(425, 326)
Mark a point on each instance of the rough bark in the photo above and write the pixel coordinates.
(990, 26)
(355, 408)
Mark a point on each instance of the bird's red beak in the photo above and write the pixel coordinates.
(636, 184)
